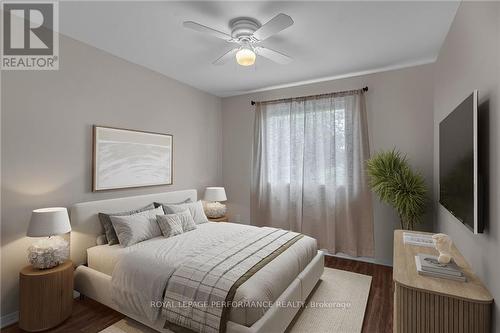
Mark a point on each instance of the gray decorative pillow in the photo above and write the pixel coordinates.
(195, 208)
(136, 228)
(158, 204)
(108, 226)
(170, 225)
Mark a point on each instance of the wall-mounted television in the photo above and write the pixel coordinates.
(459, 188)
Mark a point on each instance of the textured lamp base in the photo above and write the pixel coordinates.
(48, 252)
(215, 210)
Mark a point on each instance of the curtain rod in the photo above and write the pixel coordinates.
(284, 99)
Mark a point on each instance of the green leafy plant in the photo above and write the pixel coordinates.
(393, 180)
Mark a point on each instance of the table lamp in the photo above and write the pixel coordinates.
(53, 250)
(213, 207)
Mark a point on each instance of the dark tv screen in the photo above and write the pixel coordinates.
(457, 155)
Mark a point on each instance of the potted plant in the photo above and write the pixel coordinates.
(396, 184)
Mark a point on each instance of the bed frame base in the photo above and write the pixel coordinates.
(97, 285)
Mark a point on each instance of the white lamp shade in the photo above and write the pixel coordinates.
(215, 194)
(48, 222)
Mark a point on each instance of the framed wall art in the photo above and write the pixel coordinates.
(124, 158)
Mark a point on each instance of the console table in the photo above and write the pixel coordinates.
(427, 304)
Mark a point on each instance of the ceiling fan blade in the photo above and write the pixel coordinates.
(275, 56)
(275, 25)
(225, 57)
(201, 28)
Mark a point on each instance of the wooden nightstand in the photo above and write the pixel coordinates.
(219, 219)
(45, 296)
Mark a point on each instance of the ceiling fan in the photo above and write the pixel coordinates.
(247, 33)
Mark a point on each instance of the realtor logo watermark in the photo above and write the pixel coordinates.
(30, 40)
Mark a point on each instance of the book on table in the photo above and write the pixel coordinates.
(412, 238)
(429, 265)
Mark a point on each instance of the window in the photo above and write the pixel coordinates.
(306, 139)
(308, 173)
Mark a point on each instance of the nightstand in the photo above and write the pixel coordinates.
(45, 296)
(219, 219)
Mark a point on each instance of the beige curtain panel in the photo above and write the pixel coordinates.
(309, 170)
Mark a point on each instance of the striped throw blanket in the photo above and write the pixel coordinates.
(199, 293)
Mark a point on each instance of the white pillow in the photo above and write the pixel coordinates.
(187, 221)
(195, 208)
(101, 240)
(138, 227)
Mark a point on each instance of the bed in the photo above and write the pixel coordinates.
(287, 279)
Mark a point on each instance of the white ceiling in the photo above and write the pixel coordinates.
(328, 38)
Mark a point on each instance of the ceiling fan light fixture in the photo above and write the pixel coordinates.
(245, 57)
(247, 33)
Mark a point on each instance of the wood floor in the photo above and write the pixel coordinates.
(88, 316)
(91, 317)
(378, 315)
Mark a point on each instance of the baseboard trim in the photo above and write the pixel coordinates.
(9, 319)
(363, 259)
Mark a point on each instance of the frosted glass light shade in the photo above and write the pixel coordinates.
(215, 194)
(48, 222)
(245, 57)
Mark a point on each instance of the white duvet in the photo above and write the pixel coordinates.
(141, 273)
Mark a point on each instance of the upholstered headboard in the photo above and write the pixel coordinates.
(85, 223)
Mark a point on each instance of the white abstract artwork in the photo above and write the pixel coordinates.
(127, 158)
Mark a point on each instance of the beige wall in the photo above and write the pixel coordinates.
(468, 60)
(46, 137)
(399, 105)
(47, 117)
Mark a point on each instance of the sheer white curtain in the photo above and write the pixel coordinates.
(309, 170)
